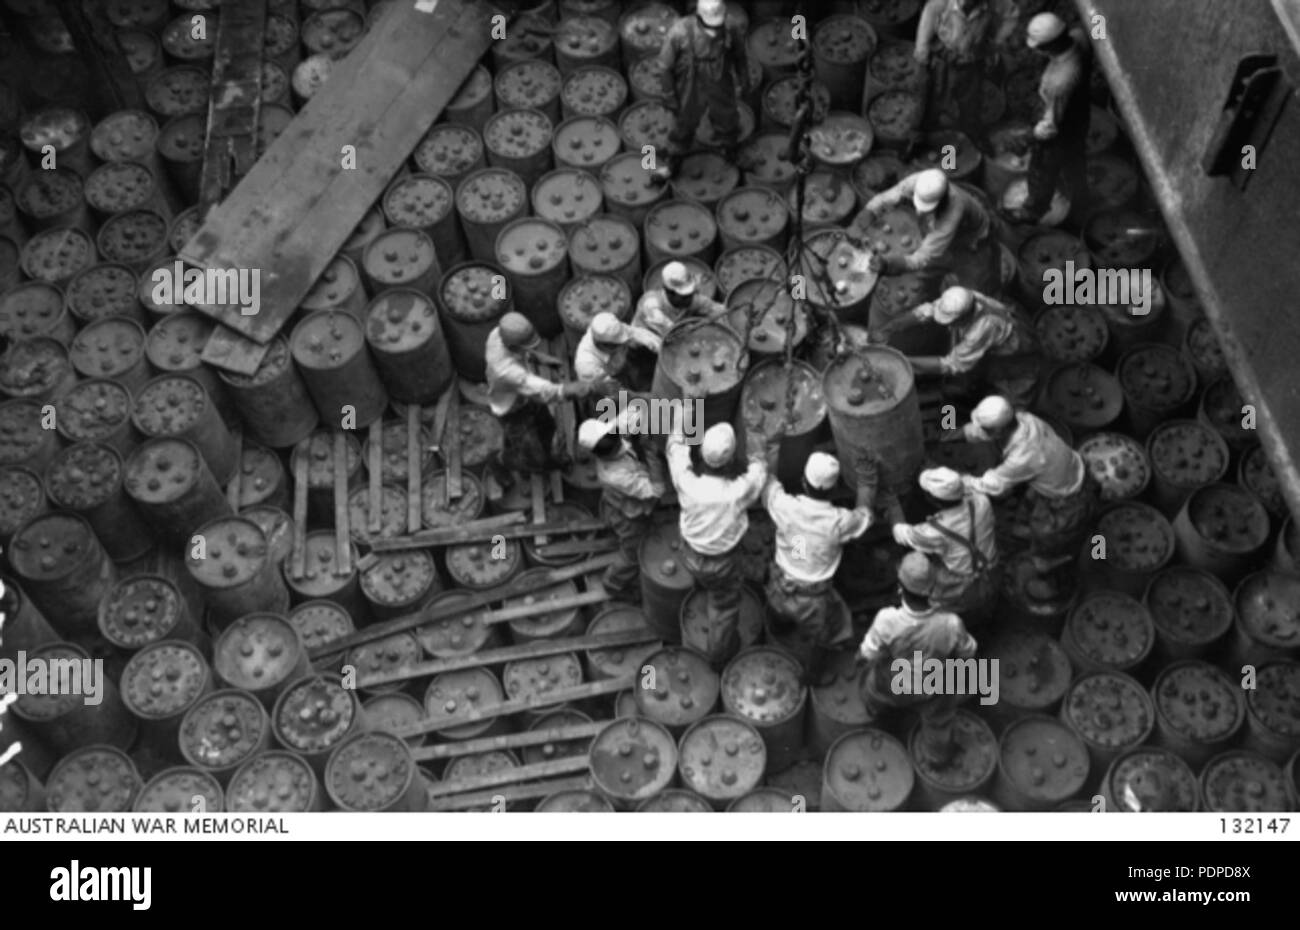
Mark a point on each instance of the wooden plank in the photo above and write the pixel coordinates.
(539, 506)
(533, 650)
(451, 443)
(441, 413)
(470, 747)
(376, 469)
(511, 776)
(581, 692)
(342, 539)
(455, 536)
(476, 601)
(298, 557)
(296, 207)
(542, 608)
(233, 489)
(578, 547)
(230, 146)
(228, 350)
(540, 789)
(413, 476)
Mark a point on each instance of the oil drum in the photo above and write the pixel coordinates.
(618, 661)
(593, 91)
(64, 721)
(401, 256)
(971, 770)
(393, 784)
(1041, 764)
(450, 151)
(160, 684)
(1243, 782)
(1138, 543)
(530, 84)
(321, 580)
(1268, 620)
(533, 253)
(118, 187)
(633, 760)
(456, 636)
(1222, 529)
(629, 188)
(1185, 455)
(829, 200)
(1150, 779)
(222, 731)
(36, 308)
(886, 425)
(235, 571)
(399, 583)
(740, 265)
(760, 311)
(763, 686)
(866, 770)
(112, 348)
(585, 143)
(473, 103)
(178, 406)
(64, 570)
(533, 680)
(320, 623)
(703, 363)
(1192, 612)
(24, 440)
(87, 478)
(676, 687)
(314, 715)
(1273, 723)
(97, 778)
(474, 297)
(1110, 712)
(665, 579)
(483, 566)
(330, 351)
(587, 295)
(607, 245)
(721, 758)
(406, 341)
(1034, 673)
(52, 199)
(36, 369)
(582, 41)
(171, 485)
(520, 141)
(1159, 384)
(451, 696)
(260, 653)
(25, 628)
(1118, 463)
(568, 197)
(273, 402)
(763, 404)
(681, 229)
(272, 782)
(394, 654)
(180, 788)
(339, 287)
(1108, 631)
(1046, 255)
(1199, 710)
(22, 497)
(426, 203)
(144, 609)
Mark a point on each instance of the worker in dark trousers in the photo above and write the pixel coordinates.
(519, 398)
(810, 537)
(704, 59)
(955, 38)
(1060, 151)
(714, 495)
(899, 633)
(631, 485)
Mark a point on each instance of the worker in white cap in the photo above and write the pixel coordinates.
(714, 495)
(955, 39)
(810, 537)
(519, 397)
(955, 231)
(631, 485)
(890, 648)
(678, 298)
(959, 536)
(1061, 133)
(704, 59)
(993, 340)
(601, 354)
(1060, 491)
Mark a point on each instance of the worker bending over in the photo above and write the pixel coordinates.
(631, 484)
(916, 625)
(810, 537)
(714, 494)
(601, 358)
(679, 297)
(959, 537)
(518, 397)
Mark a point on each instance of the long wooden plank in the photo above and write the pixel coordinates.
(298, 557)
(511, 776)
(451, 443)
(578, 547)
(455, 536)
(471, 747)
(230, 146)
(534, 702)
(413, 476)
(508, 793)
(342, 538)
(381, 100)
(375, 443)
(533, 650)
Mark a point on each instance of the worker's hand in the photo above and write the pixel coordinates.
(1043, 131)
(876, 263)
(922, 55)
(578, 389)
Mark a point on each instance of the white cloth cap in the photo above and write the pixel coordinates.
(605, 327)
(916, 574)
(713, 12)
(821, 471)
(931, 186)
(591, 432)
(677, 277)
(719, 445)
(943, 483)
(993, 412)
(952, 305)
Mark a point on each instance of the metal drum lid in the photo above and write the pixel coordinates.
(1187, 454)
(386, 656)
(1243, 782)
(644, 29)
(633, 759)
(260, 474)
(1156, 377)
(1049, 250)
(58, 254)
(574, 802)
(975, 762)
(21, 498)
(455, 636)
(1204, 348)
(662, 553)
(491, 195)
(557, 749)
(84, 476)
(586, 141)
(393, 459)
(531, 247)
(1198, 702)
(320, 623)
(722, 758)
(319, 578)
(680, 227)
(594, 91)
(477, 565)
(828, 198)
(705, 177)
(753, 214)
(869, 382)
(124, 135)
(771, 44)
(543, 625)
(583, 297)
(340, 279)
(1138, 537)
(400, 579)
(763, 399)
(703, 358)
(395, 257)
(841, 139)
(869, 770)
(34, 308)
(453, 695)
(181, 41)
(49, 193)
(1035, 671)
(1071, 333)
(332, 32)
(169, 405)
(1083, 395)
(139, 610)
(1228, 517)
(418, 200)
(176, 790)
(133, 236)
(567, 196)
(319, 449)
(528, 84)
(448, 150)
(35, 368)
(1257, 476)
(223, 729)
(763, 685)
(52, 546)
(272, 782)
(1111, 629)
(780, 101)
(762, 801)
(162, 470)
(258, 652)
(1189, 606)
(456, 511)
(314, 713)
(1118, 463)
(50, 706)
(118, 186)
(178, 91)
(625, 181)
(1221, 407)
(618, 661)
(585, 37)
(469, 293)
(1268, 604)
(1275, 701)
(604, 245)
(747, 262)
(895, 114)
(1150, 779)
(1043, 759)
(518, 133)
(479, 764)
(647, 80)
(685, 687)
(21, 434)
(393, 712)
(93, 779)
(236, 553)
(1109, 710)
(370, 771)
(392, 513)
(528, 679)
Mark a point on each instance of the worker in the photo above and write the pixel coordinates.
(678, 297)
(955, 226)
(899, 633)
(704, 59)
(1060, 491)
(602, 352)
(959, 536)
(518, 397)
(714, 494)
(1059, 153)
(810, 537)
(955, 39)
(631, 484)
(994, 341)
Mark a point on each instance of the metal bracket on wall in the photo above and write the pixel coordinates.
(1259, 92)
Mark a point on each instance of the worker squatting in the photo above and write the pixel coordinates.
(949, 577)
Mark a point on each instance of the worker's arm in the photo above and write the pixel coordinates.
(1017, 467)
(668, 53)
(634, 479)
(925, 30)
(512, 372)
(875, 645)
(919, 536)
(915, 317)
(645, 338)
(935, 244)
(1056, 89)
(891, 197)
(753, 481)
(853, 523)
(708, 308)
(678, 454)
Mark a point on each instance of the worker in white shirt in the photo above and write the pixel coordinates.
(810, 537)
(1060, 491)
(602, 352)
(631, 485)
(714, 494)
(518, 397)
(994, 341)
(899, 633)
(678, 298)
(959, 536)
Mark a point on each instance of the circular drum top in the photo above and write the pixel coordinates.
(119, 186)
(753, 214)
(1118, 463)
(531, 247)
(705, 177)
(1043, 759)
(20, 431)
(1243, 782)
(314, 713)
(49, 193)
(722, 758)
(21, 498)
(625, 181)
(1157, 377)
(1111, 629)
(400, 320)
(1109, 710)
(274, 363)
(894, 114)
(132, 236)
(746, 263)
(43, 706)
(454, 636)
(417, 200)
(1069, 333)
(400, 578)
(1187, 454)
(319, 579)
(703, 359)
(180, 40)
(474, 90)
(60, 127)
(57, 254)
(257, 652)
(327, 339)
(479, 565)
(549, 624)
(101, 291)
(594, 91)
(616, 661)
(868, 770)
(1049, 250)
(51, 546)
(1268, 604)
(773, 46)
(1189, 606)
(320, 622)
(1034, 669)
(586, 141)
(1275, 701)
(1258, 477)
(223, 729)
(108, 347)
(164, 679)
(83, 476)
(94, 779)
(662, 557)
(870, 381)
(468, 292)
(178, 91)
(604, 244)
(386, 656)
(1150, 779)
(763, 684)
(448, 149)
(518, 133)
(633, 759)
(1084, 395)
(393, 712)
(766, 162)
(333, 32)
(1138, 537)
(645, 123)
(528, 84)
(169, 405)
(841, 139)
(844, 39)
(585, 36)
(452, 696)
(772, 301)
(456, 511)
(396, 256)
(526, 679)
(764, 395)
(175, 791)
(780, 101)
(161, 470)
(567, 196)
(583, 297)
(236, 553)
(371, 771)
(1229, 517)
(139, 610)
(34, 367)
(685, 687)
(393, 464)
(481, 436)
(643, 30)
(828, 198)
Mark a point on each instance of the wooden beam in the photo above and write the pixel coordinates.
(511, 776)
(414, 478)
(471, 747)
(533, 702)
(342, 538)
(540, 789)
(298, 557)
(375, 444)
(459, 535)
